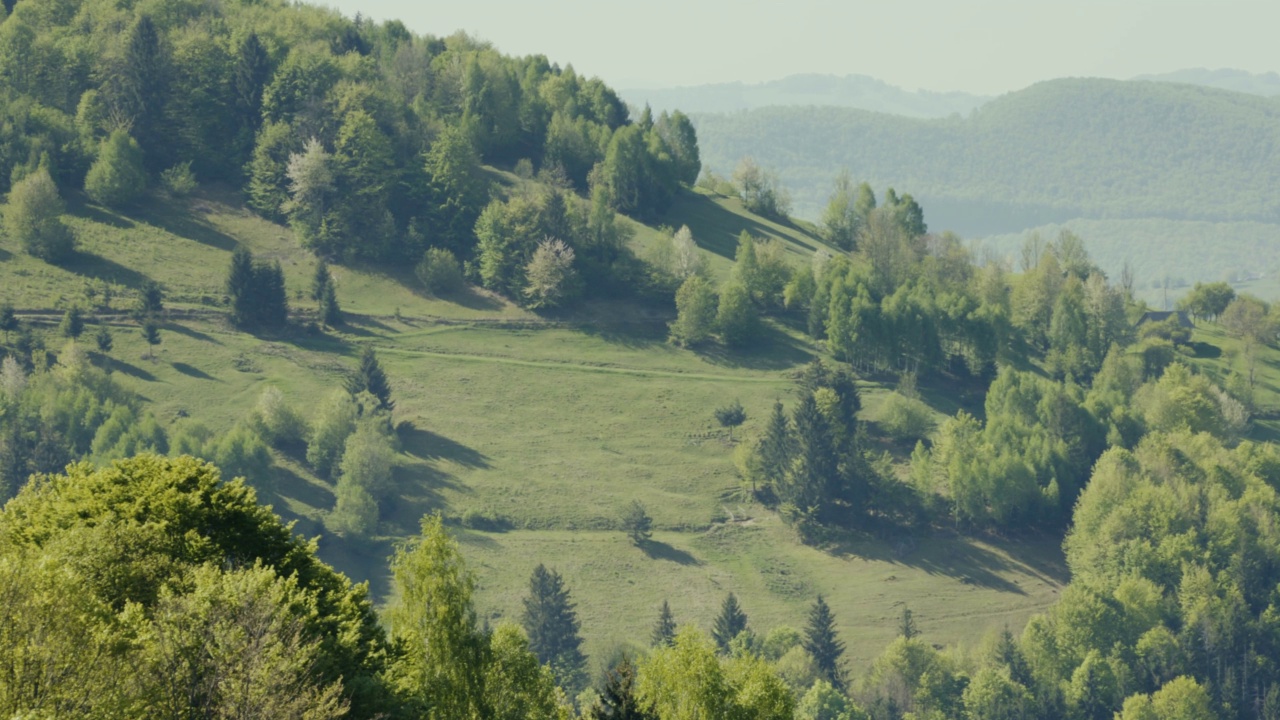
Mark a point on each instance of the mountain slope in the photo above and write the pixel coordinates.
(1267, 84)
(852, 91)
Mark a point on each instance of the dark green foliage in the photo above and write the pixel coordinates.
(325, 295)
(370, 377)
(103, 339)
(731, 416)
(551, 621)
(737, 318)
(72, 324)
(812, 478)
(637, 523)
(823, 645)
(8, 319)
(730, 623)
(150, 300)
(776, 447)
(907, 624)
(257, 293)
(151, 333)
(664, 628)
(1208, 300)
(618, 699)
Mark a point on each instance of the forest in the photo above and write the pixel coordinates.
(153, 561)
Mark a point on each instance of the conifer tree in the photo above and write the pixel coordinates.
(320, 280)
(8, 320)
(551, 621)
(618, 699)
(729, 624)
(823, 645)
(104, 340)
(151, 333)
(372, 378)
(907, 624)
(151, 300)
(330, 311)
(664, 630)
(240, 287)
(72, 323)
(731, 416)
(776, 447)
(813, 471)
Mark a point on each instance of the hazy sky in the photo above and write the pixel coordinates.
(980, 46)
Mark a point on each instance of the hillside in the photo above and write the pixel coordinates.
(849, 91)
(1266, 84)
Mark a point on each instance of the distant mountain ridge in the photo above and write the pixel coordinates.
(1075, 148)
(850, 91)
(1265, 84)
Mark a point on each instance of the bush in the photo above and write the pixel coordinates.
(34, 218)
(904, 418)
(440, 272)
(116, 177)
(178, 180)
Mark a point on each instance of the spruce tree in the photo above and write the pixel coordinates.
(240, 287)
(731, 416)
(823, 645)
(664, 630)
(151, 333)
(320, 280)
(372, 378)
(776, 447)
(551, 621)
(330, 311)
(813, 472)
(72, 323)
(618, 699)
(151, 299)
(104, 340)
(729, 624)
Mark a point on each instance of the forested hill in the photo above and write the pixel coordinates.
(1267, 84)
(852, 91)
(1077, 148)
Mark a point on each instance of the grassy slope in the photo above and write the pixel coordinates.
(554, 424)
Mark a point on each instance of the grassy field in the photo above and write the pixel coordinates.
(553, 425)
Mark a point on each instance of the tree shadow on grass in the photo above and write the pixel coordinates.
(364, 325)
(5, 255)
(193, 372)
(100, 268)
(955, 558)
(193, 334)
(774, 349)
(658, 550)
(716, 228)
(289, 484)
(78, 206)
(121, 366)
(182, 223)
(427, 445)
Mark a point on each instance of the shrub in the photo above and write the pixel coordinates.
(439, 271)
(179, 180)
(905, 418)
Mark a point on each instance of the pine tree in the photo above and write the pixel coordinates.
(257, 293)
(729, 624)
(823, 645)
(637, 523)
(151, 300)
(664, 630)
(320, 280)
(776, 447)
(618, 699)
(371, 377)
(330, 311)
(551, 621)
(240, 287)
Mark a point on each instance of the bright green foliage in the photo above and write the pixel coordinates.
(125, 433)
(1207, 301)
(443, 670)
(912, 676)
(516, 686)
(664, 629)
(311, 186)
(736, 317)
(824, 702)
(117, 177)
(179, 180)
(458, 192)
(151, 543)
(551, 620)
(1181, 400)
(992, 695)
(841, 221)
(730, 623)
(695, 312)
(439, 272)
(334, 421)
(33, 218)
(905, 418)
(687, 681)
(277, 421)
(760, 190)
(1181, 699)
